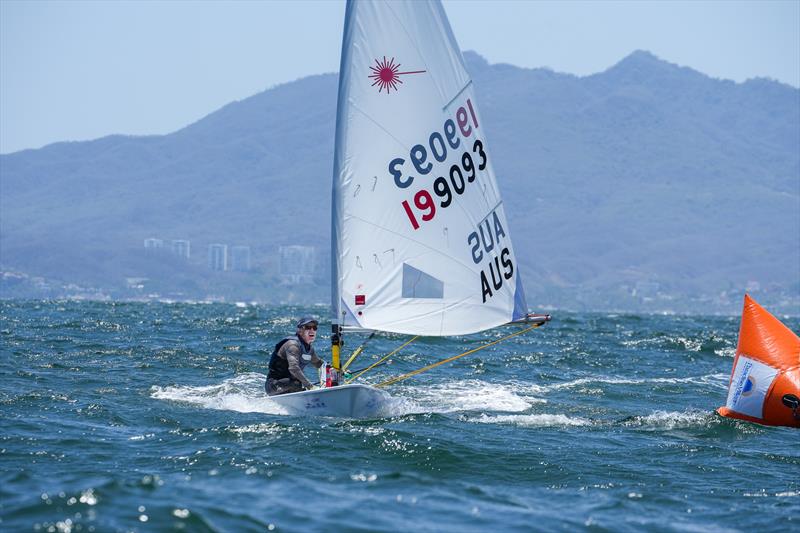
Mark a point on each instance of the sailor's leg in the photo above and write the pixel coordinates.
(283, 386)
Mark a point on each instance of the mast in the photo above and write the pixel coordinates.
(336, 196)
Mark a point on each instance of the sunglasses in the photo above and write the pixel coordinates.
(310, 327)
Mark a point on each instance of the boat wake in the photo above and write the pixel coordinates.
(243, 393)
(457, 396)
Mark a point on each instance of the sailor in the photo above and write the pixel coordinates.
(290, 357)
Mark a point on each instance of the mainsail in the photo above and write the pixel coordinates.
(420, 240)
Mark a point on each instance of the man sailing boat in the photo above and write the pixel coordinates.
(290, 356)
(420, 243)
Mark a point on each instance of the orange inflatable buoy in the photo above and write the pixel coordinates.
(765, 382)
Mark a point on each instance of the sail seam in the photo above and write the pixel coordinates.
(355, 106)
(449, 359)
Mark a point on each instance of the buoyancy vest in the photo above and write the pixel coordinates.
(279, 366)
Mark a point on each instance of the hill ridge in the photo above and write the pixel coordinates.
(640, 173)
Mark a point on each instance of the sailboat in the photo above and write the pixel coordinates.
(420, 241)
(765, 381)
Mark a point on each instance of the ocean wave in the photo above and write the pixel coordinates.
(703, 342)
(260, 429)
(729, 351)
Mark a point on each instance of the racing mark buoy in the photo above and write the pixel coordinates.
(765, 382)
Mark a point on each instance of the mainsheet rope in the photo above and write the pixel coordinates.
(357, 352)
(370, 367)
(434, 365)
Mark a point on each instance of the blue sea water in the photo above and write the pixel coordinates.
(153, 417)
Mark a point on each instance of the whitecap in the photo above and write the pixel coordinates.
(729, 351)
(713, 379)
(673, 419)
(534, 420)
(259, 429)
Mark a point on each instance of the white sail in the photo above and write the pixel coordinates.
(421, 244)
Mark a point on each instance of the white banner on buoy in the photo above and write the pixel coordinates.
(749, 385)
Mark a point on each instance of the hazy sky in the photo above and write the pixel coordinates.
(73, 70)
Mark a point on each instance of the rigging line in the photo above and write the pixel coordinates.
(370, 367)
(434, 365)
(357, 351)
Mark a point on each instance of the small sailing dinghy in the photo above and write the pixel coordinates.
(348, 401)
(765, 381)
(420, 240)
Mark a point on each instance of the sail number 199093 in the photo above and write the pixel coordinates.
(460, 175)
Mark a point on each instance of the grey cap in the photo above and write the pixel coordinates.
(307, 320)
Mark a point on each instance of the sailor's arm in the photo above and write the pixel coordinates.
(315, 360)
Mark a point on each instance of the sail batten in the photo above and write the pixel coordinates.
(421, 244)
(453, 99)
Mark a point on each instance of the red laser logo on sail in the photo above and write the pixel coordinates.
(386, 75)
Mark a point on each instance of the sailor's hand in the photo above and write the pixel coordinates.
(312, 387)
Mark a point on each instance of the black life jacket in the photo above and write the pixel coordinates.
(279, 366)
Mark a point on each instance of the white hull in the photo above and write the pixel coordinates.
(349, 401)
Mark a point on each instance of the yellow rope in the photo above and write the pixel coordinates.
(352, 357)
(357, 352)
(434, 365)
(383, 359)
